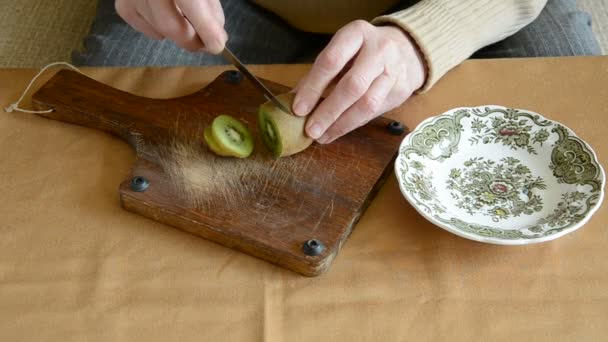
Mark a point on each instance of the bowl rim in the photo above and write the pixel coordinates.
(491, 240)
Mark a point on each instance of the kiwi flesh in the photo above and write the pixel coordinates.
(282, 133)
(212, 144)
(229, 137)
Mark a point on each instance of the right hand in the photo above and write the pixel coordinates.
(195, 25)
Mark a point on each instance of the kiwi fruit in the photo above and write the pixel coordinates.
(282, 133)
(229, 137)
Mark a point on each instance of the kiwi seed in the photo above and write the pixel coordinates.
(229, 137)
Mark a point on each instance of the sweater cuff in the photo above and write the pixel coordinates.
(448, 32)
(438, 35)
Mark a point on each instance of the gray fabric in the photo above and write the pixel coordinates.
(561, 29)
(259, 37)
(599, 12)
(256, 36)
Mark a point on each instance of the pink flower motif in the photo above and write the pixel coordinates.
(507, 131)
(499, 188)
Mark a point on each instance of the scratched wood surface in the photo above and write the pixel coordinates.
(263, 206)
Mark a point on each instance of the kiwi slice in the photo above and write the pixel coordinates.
(228, 136)
(283, 133)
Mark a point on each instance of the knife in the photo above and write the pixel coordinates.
(256, 82)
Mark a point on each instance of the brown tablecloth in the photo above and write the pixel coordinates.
(74, 266)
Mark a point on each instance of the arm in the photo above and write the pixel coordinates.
(447, 32)
(378, 67)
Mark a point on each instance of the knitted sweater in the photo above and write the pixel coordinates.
(447, 31)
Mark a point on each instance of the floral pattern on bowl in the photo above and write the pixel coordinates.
(500, 175)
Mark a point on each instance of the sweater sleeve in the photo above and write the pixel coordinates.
(448, 32)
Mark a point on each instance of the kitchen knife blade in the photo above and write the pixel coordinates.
(228, 55)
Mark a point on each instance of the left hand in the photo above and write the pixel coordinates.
(386, 69)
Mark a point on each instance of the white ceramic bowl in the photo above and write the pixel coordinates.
(500, 175)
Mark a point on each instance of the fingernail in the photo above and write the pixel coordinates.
(300, 107)
(314, 131)
(323, 140)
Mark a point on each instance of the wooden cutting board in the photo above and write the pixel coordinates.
(295, 212)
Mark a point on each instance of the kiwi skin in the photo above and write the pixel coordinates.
(289, 137)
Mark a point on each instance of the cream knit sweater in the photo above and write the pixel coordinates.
(446, 31)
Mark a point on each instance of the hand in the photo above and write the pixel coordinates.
(386, 69)
(195, 25)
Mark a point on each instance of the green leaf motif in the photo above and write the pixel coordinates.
(572, 162)
(540, 136)
(438, 139)
(513, 129)
(417, 165)
(478, 125)
(499, 190)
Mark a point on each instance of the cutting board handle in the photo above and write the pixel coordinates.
(78, 99)
(83, 101)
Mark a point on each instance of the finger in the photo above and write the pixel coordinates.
(128, 13)
(367, 67)
(206, 18)
(218, 12)
(397, 96)
(340, 50)
(369, 106)
(141, 25)
(168, 21)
